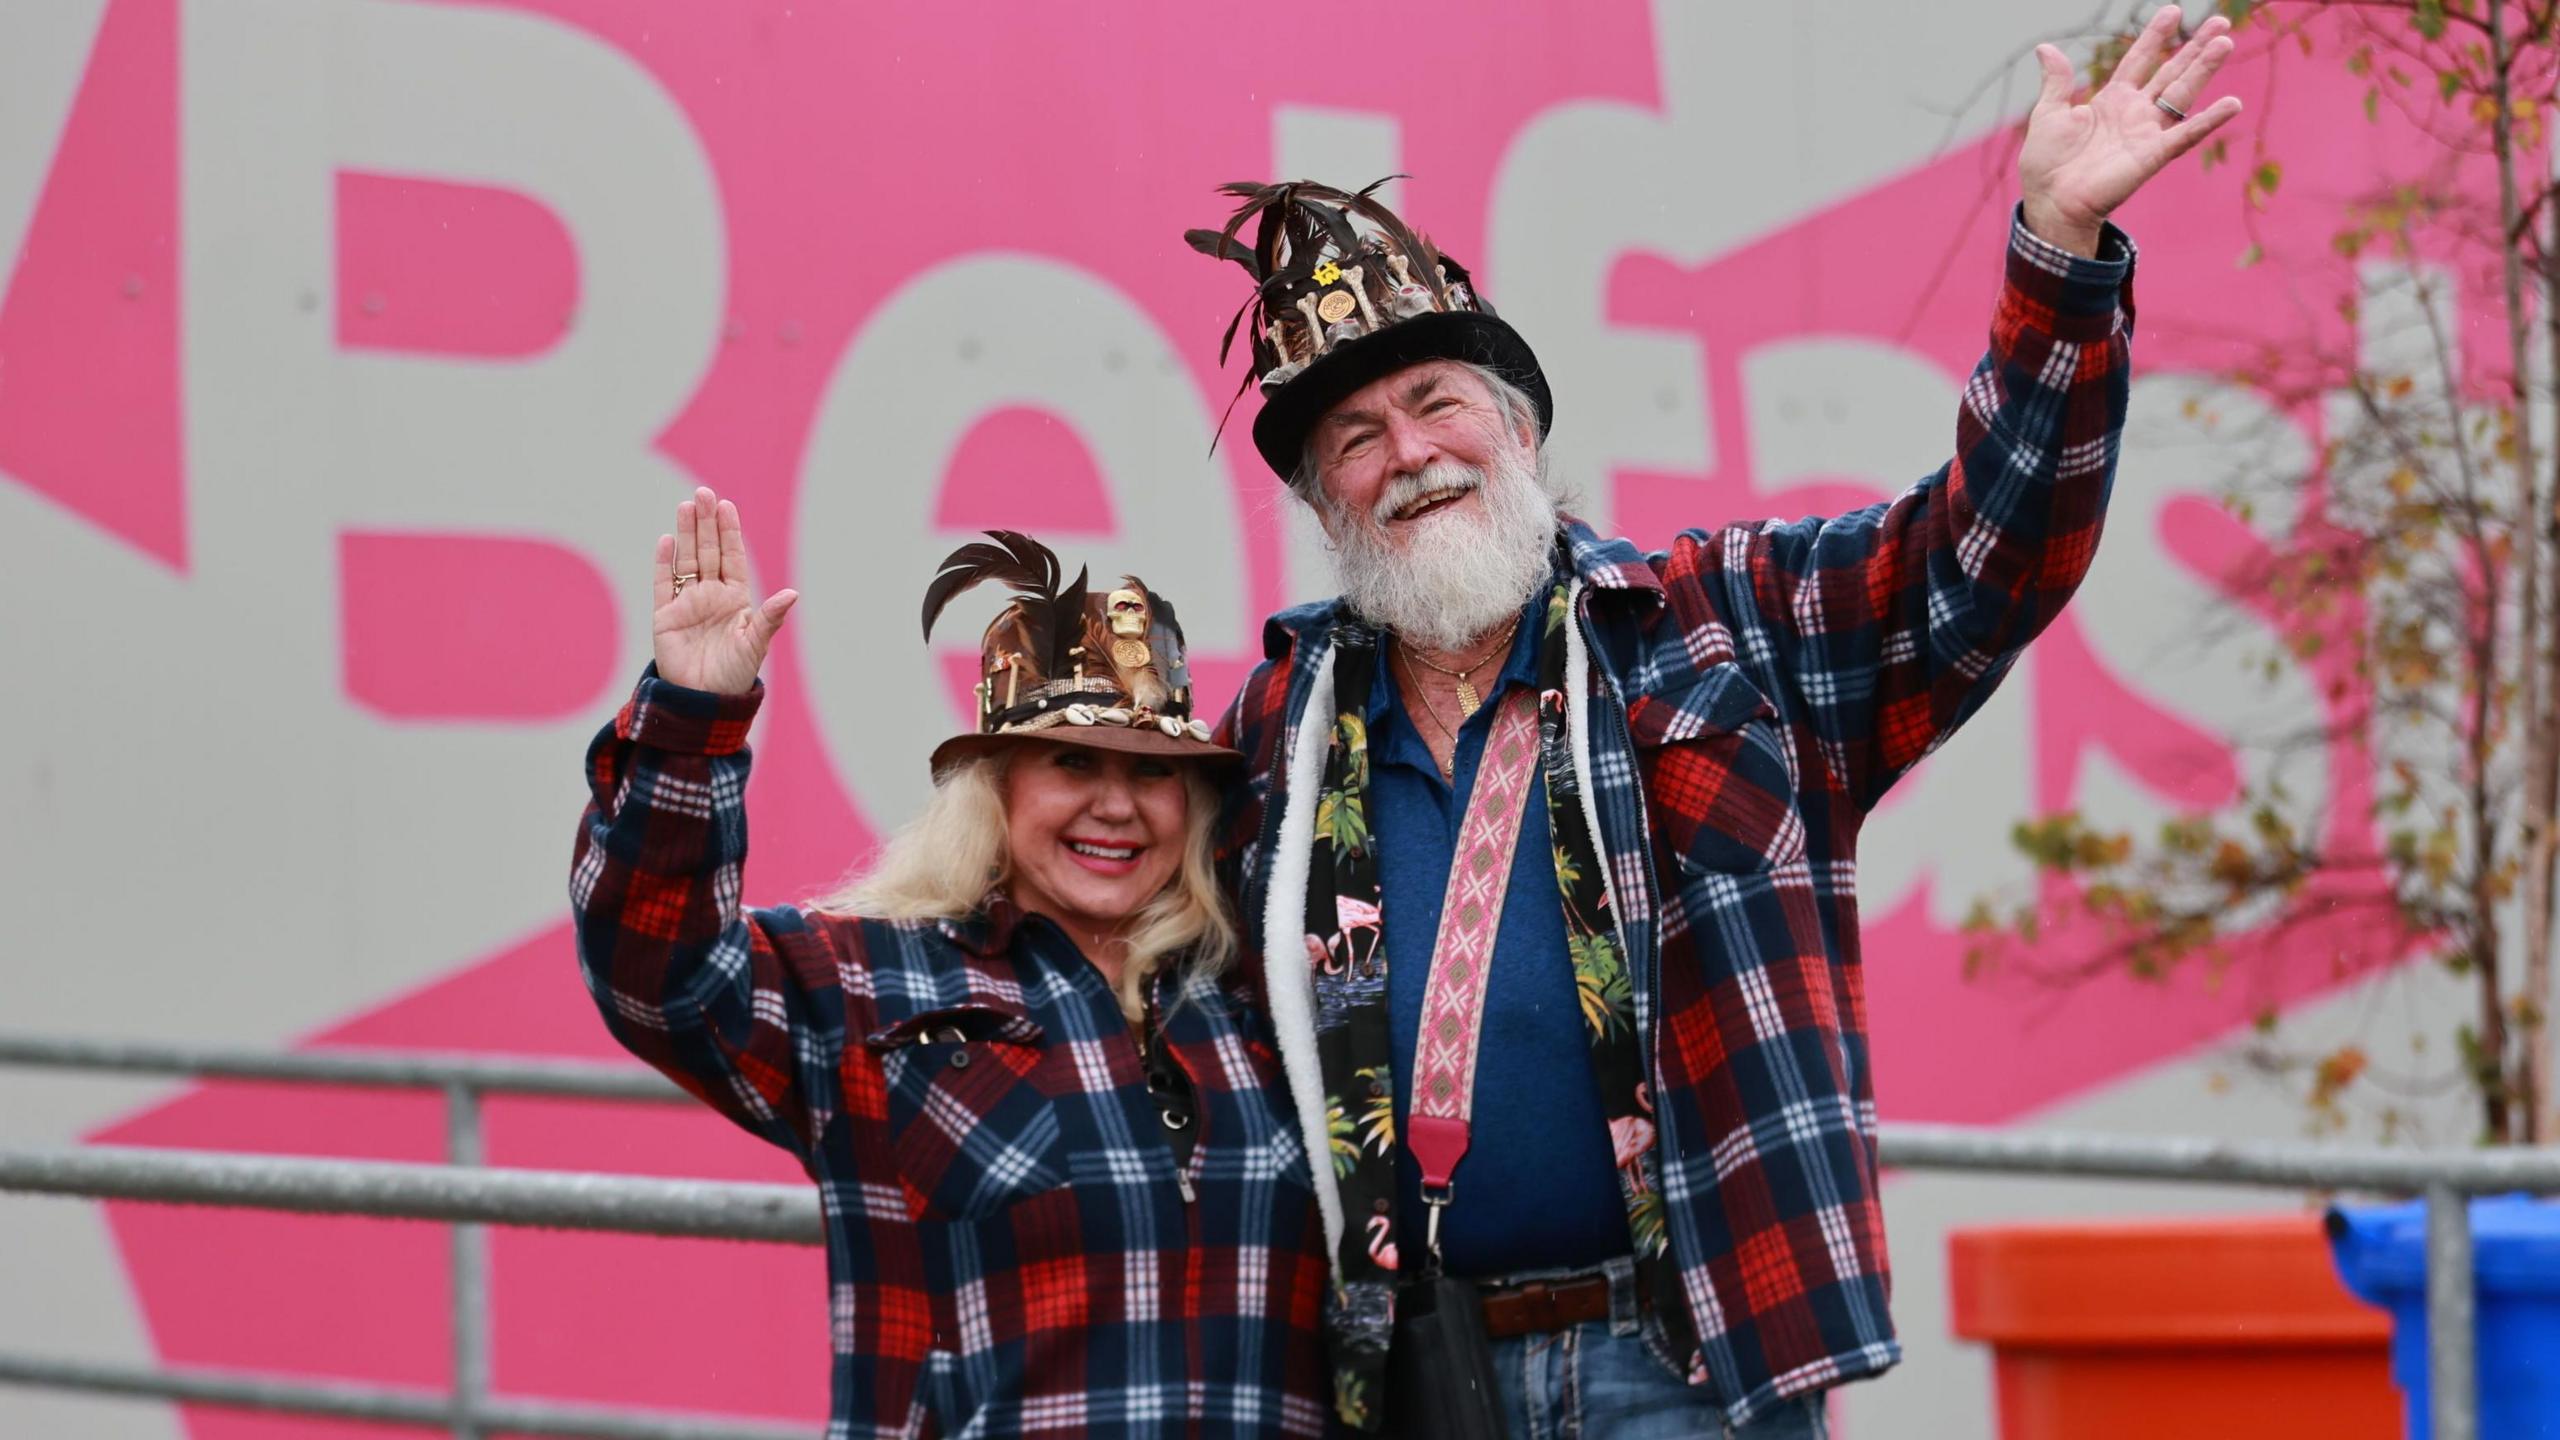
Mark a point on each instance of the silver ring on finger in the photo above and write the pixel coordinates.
(685, 579)
(2172, 111)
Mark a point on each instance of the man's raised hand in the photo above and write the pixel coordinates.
(2082, 160)
(709, 632)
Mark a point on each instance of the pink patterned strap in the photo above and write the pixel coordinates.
(1444, 1057)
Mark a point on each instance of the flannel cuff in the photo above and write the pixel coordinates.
(2083, 295)
(666, 716)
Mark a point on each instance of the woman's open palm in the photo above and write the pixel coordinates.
(709, 632)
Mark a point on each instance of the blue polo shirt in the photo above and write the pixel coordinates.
(1538, 1187)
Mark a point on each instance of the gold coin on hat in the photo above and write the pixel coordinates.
(1336, 306)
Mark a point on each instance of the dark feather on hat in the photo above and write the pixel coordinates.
(1296, 226)
(1335, 226)
(1221, 246)
(1052, 618)
(1157, 605)
(1162, 624)
(1302, 224)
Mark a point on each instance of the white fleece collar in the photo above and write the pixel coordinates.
(1577, 711)
(1284, 947)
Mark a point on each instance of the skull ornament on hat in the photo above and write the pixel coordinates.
(1345, 292)
(1065, 665)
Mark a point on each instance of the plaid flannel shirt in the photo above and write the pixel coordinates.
(1753, 692)
(1009, 1246)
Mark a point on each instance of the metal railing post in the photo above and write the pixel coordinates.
(2452, 1403)
(470, 1270)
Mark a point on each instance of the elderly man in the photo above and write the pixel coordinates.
(1549, 843)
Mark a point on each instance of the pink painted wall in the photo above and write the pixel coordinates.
(850, 155)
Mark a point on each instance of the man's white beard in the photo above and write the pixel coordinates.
(1452, 576)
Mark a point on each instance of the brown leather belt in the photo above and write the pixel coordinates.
(1539, 1306)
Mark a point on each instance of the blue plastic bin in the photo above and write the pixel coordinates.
(2381, 1252)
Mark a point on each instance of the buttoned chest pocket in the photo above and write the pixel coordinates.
(970, 1125)
(1717, 783)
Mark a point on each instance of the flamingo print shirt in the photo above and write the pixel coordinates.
(1539, 1187)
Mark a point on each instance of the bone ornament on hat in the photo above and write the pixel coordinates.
(1368, 312)
(1328, 266)
(1407, 299)
(1290, 364)
(1344, 294)
(1060, 654)
(1315, 332)
(1133, 661)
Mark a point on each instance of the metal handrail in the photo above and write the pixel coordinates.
(381, 1404)
(385, 1069)
(470, 1196)
(788, 1214)
(697, 1209)
(2282, 1163)
(469, 1411)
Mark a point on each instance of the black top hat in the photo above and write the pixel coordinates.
(1345, 292)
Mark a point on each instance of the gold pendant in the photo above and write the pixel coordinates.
(1468, 699)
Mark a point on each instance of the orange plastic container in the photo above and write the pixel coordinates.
(2132, 1331)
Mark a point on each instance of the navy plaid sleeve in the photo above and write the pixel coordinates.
(743, 1009)
(1254, 725)
(1888, 626)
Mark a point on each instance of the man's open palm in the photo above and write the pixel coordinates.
(2082, 160)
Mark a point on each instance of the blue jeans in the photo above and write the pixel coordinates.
(1597, 1381)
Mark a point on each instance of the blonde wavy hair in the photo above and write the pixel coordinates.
(944, 863)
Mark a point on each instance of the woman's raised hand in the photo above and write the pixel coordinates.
(709, 631)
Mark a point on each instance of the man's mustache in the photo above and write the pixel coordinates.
(1405, 490)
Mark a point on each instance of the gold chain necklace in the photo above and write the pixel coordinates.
(1448, 767)
(1468, 699)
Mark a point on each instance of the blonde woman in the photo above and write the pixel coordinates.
(1063, 1189)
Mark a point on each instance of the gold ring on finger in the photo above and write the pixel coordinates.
(685, 579)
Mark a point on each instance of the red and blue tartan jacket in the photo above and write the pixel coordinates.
(1010, 1248)
(1745, 699)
